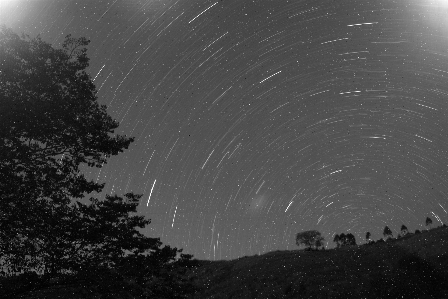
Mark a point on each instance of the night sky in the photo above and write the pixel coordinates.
(255, 120)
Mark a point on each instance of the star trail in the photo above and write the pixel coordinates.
(255, 120)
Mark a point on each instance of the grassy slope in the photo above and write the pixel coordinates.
(413, 267)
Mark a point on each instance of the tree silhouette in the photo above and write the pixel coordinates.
(312, 239)
(368, 236)
(101, 249)
(347, 239)
(51, 120)
(342, 239)
(428, 222)
(387, 233)
(404, 230)
(337, 241)
(51, 125)
(351, 239)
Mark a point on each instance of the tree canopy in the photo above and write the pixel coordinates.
(404, 230)
(51, 124)
(387, 233)
(51, 119)
(344, 240)
(312, 239)
(350, 239)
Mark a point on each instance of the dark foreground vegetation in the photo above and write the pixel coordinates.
(412, 267)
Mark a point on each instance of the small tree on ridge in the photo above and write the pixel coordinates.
(387, 233)
(337, 241)
(312, 239)
(351, 240)
(368, 237)
(428, 222)
(404, 230)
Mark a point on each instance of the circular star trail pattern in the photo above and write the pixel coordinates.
(255, 120)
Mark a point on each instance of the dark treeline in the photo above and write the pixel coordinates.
(313, 240)
(404, 232)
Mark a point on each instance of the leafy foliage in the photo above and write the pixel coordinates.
(99, 249)
(51, 120)
(51, 125)
(350, 239)
(311, 239)
(344, 240)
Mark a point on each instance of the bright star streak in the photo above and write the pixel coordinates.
(149, 198)
(203, 12)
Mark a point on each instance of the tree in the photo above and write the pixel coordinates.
(320, 244)
(368, 237)
(97, 247)
(346, 239)
(312, 239)
(350, 240)
(336, 240)
(101, 233)
(51, 120)
(404, 230)
(387, 233)
(428, 222)
(52, 125)
(342, 239)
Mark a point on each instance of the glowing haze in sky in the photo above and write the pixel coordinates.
(255, 120)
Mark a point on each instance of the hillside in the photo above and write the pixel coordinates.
(415, 266)
(412, 267)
